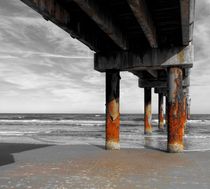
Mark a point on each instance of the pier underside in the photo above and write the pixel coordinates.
(151, 39)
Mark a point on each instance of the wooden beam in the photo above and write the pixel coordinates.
(122, 60)
(76, 26)
(144, 19)
(103, 18)
(152, 59)
(187, 20)
(152, 83)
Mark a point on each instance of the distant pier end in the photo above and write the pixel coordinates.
(151, 39)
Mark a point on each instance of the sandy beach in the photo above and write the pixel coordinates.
(86, 166)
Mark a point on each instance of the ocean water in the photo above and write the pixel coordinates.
(62, 129)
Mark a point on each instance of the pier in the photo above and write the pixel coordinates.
(151, 39)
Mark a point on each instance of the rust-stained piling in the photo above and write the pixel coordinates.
(160, 112)
(147, 111)
(112, 110)
(176, 118)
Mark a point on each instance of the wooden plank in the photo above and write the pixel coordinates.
(104, 19)
(144, 19)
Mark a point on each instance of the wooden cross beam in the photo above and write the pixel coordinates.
(104, 19)
(144, 19)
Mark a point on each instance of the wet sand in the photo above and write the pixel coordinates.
(87, 166)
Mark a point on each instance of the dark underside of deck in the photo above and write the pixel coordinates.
(165, 15)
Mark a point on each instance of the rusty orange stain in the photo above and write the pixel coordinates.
(177, 113)
(113, 109)
(176, 122)
(113, 121)
(147, 119)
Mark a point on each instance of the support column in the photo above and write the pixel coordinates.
(188, 107)
(160, 111)
(175, 116)
(166, 112)
(112, 110)
(185, 90)
(147, 111)
(184, 110)
(186, 85)
(188, 103)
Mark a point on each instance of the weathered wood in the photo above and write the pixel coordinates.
(104, 19)
(151, 59)
(144, 18)
(54, 11)
(152, 83)
(92, 20)
(187, 8)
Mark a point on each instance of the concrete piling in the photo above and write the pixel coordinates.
(160, 112)
(186, 85)
(176, 118)
(188, 107)
(112, 110)
(188, 103)
(185, 108)
(166, 112)
(147, 111)
(184, 112)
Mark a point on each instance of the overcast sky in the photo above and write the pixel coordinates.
(42, 69)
